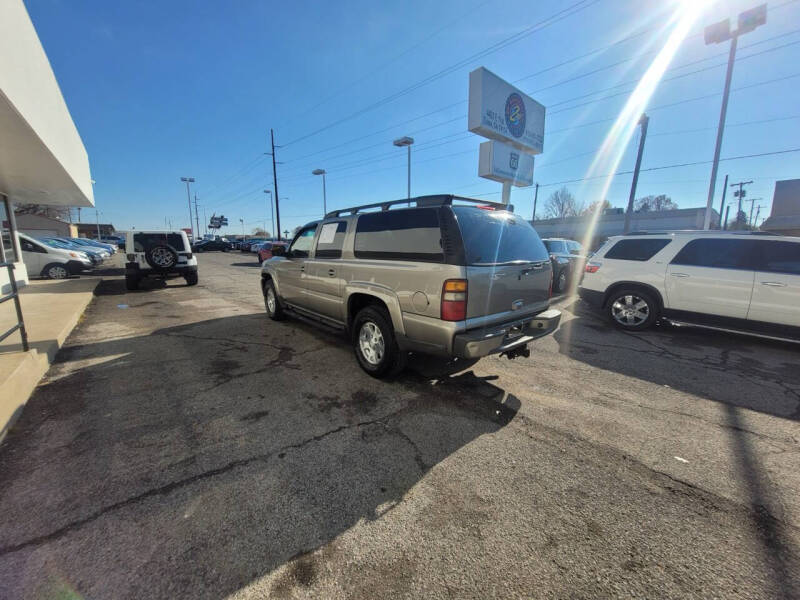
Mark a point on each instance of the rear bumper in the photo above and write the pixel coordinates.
(505, 337)
(133, 268)
(591, 297)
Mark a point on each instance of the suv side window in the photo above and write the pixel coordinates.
(301, 246)
(555, 246)
(574, 247)
(405, 234)
(31, 247)
(778, 257)
(331, 240)
(717, 254)
(640, 249)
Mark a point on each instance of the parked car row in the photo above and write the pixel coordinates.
(58, 258)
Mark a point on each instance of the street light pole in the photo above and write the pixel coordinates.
(189, 180)
(406, 141)
(714, 34)
(324, 195)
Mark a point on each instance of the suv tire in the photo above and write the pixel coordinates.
(161, 257)
(55, 271)
(560, 283)
(272, 303)
(632, 309)
(374, 343)
(131, 282)
(191, 278)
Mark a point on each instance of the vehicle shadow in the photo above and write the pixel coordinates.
(255, 264)
(757, 374)
(191, 461)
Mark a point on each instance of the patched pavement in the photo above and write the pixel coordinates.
(184, 446)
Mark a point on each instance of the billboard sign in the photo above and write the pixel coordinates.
(499, 111)
(504, 163)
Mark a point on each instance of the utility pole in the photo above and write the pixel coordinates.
(722, 204)
(275, 181)
(196, 215)
(205, 219)
(535, 198)
(97, 216)
(271, 213)
(189, 180)
(725, 224)
(714, 34)
(752, 205)
(643, 121)
(740, 194)
(758, 212)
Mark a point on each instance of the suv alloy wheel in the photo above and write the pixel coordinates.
(632, 310)
(375, 344)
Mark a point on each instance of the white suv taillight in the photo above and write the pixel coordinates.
(592, 267)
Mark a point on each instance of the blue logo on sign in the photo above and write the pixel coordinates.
(515, 115)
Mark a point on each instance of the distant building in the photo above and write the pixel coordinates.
(612, 222)
(89, 230)
(785, 215)
(40, 226)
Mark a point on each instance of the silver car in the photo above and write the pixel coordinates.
(448, 276)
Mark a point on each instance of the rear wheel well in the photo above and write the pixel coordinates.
(633, 285)
(264, 280)
(357, 302)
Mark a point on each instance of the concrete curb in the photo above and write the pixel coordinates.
(21, 372)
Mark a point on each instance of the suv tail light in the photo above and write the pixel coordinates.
(592, 268)
(454, 300)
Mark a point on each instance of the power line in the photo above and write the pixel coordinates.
(543, 24)
(398, 56)
(571, 79)
(675, 166)
(662, 106)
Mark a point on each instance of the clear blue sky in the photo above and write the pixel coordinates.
(160, 90)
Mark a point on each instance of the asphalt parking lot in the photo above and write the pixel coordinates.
(184, 446)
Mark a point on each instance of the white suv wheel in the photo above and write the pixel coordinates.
(630, 310)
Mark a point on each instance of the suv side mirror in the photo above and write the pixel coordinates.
(279, 251)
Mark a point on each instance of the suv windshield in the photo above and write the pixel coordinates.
(498, 237)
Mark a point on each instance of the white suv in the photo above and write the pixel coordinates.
(739, 281)
(158, 254)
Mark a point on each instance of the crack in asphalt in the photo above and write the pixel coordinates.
(181, 483)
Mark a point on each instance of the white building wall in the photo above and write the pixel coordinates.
(42, 157)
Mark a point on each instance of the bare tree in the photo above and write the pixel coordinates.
(561, 204)
(601, 205)
(259, 232)
(654, 203)
(43, 210)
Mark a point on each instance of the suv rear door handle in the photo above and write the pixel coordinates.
(302, 268)
(679, 274)
(773, 283)
(331, 273)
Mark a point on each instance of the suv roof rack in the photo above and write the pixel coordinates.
(702, 231)
(419, 201)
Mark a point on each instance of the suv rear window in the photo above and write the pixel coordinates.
(406, 234)
(640, 249)
(498, 237)
(555, 246)
(717, 254)
(143, 241)
(779, 257)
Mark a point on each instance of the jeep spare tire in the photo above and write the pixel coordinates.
(161, 257)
